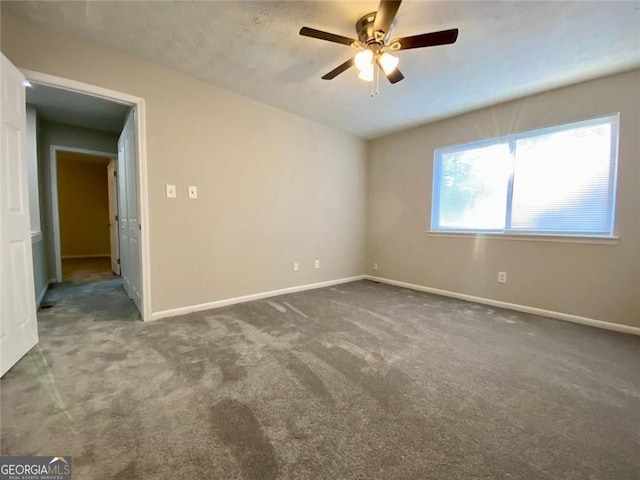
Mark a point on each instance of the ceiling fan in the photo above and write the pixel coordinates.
(374, 43)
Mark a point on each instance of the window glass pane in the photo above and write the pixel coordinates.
(473, 187)
(562, 181)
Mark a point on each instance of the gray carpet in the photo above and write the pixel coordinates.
(358, 381)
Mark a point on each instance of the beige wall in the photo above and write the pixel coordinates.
(83, 204)
(601, 282)
(274, 188)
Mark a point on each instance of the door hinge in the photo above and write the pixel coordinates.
(116, 218)
(140, 227)
(118, 261)
(115, 173)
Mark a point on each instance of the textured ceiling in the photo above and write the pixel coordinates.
(505, 50)
(72, 108)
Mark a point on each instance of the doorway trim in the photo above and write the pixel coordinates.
(138, 105)
(55, 206)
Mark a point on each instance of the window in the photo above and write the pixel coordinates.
(556, 181)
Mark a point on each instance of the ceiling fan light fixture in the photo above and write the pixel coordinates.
(374, 45)
(388, 62)
(363, 60)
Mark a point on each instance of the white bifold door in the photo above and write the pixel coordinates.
(18, 325)
(129, 222)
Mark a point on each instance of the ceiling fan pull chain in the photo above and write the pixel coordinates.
(373, 81)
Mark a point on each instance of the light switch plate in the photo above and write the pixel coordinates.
(193, 191)
(171, 191)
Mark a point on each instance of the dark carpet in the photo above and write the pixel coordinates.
(357, 381)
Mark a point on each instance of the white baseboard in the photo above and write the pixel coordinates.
(513, 306)
(98, 255)
(248, 298)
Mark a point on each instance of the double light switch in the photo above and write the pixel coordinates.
(172, 193)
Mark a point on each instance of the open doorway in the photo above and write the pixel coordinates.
(93, 205)
(85, 184)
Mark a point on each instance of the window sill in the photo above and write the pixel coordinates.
(528, 238)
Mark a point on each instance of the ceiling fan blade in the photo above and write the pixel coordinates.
(395, 76)
(338, 70)
(385, 15)
(432, 39)
(329, 37)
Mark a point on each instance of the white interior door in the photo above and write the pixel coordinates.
(18, 326)
(113, 216)
(123, 218)
(128, 211)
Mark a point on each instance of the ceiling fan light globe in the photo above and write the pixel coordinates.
(363, 60)
(388, 62)
(367, 74)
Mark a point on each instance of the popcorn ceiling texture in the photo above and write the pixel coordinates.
(358, 381)
(505, 50)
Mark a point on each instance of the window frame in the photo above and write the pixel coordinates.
(613, 119)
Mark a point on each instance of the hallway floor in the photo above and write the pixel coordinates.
(89, 292)
(87, 270)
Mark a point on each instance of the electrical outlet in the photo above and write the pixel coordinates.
(502, 277)
(193, 191)
(317, 264)
(296, 267)
(171, 191)
(375, 265)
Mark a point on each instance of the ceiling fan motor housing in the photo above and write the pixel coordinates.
(366, 35)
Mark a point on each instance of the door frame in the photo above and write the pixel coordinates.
(138, 104)
(55, 206)
(112, 181)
